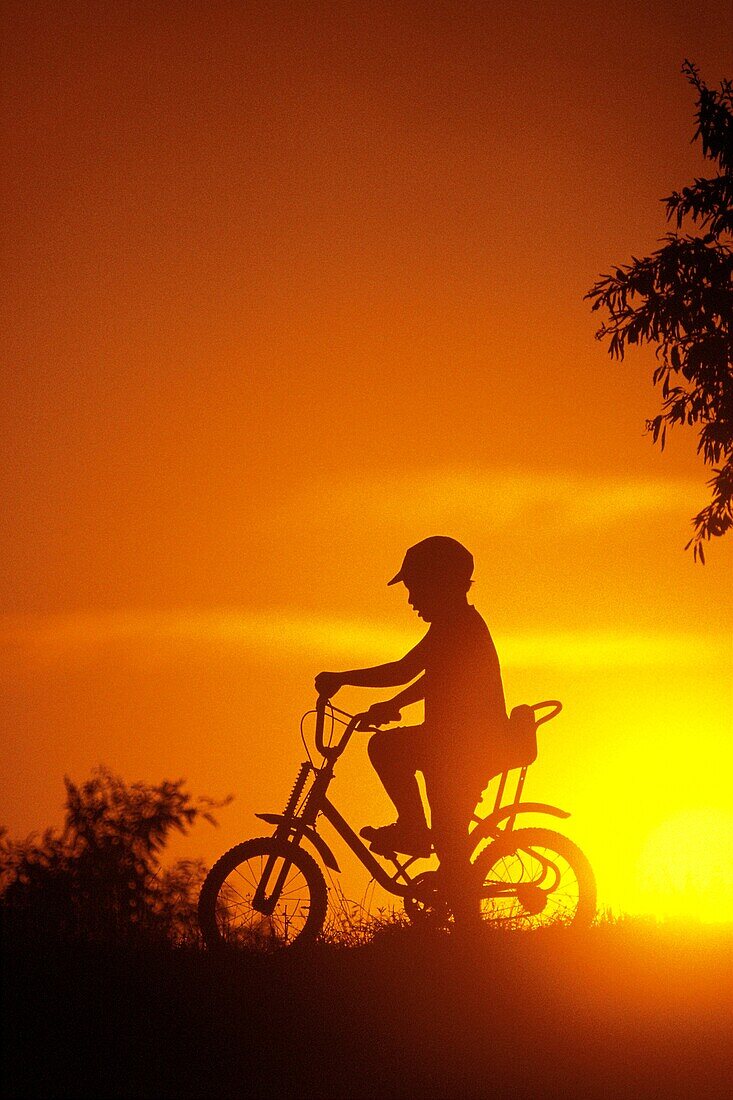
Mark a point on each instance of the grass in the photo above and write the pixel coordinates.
(624, 1009)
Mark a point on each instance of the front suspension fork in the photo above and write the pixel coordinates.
(261, 901)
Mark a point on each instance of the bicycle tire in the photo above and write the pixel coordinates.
(259, 934)
(504, 860)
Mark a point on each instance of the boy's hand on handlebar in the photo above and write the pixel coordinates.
(381, 714)
(328, 683)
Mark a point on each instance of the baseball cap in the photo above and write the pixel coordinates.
(439, 556)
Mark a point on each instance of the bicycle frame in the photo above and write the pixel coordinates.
(298, 822)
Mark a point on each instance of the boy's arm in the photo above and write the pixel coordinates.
(413, 693)
(381, 714)
(387, 675)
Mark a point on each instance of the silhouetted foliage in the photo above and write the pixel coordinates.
(100, 878)
(681, 299)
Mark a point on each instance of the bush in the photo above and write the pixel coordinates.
(100, 878)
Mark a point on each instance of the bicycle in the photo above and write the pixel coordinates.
(270, 892)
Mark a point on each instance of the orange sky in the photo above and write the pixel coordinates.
(291, 286)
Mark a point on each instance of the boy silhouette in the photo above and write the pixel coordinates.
(455, 670)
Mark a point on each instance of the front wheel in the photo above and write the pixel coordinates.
(261, 896)
(535, 878)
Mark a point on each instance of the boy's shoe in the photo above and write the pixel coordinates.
(387, 840)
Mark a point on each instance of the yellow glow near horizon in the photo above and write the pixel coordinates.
(686, 867)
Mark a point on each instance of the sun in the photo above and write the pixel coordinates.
(686, 867)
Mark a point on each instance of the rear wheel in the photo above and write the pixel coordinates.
(536, 878)
(261, 896)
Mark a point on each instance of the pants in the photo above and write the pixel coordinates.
(454, 779)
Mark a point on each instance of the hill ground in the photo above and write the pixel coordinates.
(621, 1010)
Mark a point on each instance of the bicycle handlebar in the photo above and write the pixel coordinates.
(331, 752)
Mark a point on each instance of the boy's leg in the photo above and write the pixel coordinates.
(451, 810)
(395, 756)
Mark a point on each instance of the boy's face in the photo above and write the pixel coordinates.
(429, 599)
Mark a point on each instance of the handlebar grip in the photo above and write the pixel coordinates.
(320, 720)
(332, 752)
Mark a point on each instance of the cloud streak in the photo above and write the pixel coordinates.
(506, 498)
(280, 634)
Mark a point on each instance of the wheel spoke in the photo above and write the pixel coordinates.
(233, 918)
(536, 883)
(245, 877)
